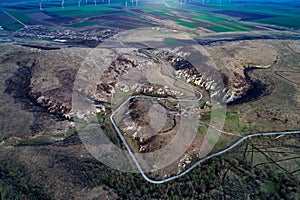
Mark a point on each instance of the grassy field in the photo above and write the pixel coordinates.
(185, 23)
(283, 21)
(280, 14)
(9, 23)
(234, 123)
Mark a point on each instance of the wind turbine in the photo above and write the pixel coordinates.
(41, 6)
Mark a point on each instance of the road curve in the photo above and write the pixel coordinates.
(198, 162)
(195, 164)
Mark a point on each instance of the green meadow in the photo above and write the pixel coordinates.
(9, 23)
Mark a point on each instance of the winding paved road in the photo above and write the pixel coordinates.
(195, 164)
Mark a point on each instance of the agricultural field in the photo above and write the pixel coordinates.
(8, 23)
(207, 17)
(284, 15)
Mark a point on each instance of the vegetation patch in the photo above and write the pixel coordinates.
(185, 23)
(270, 186)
